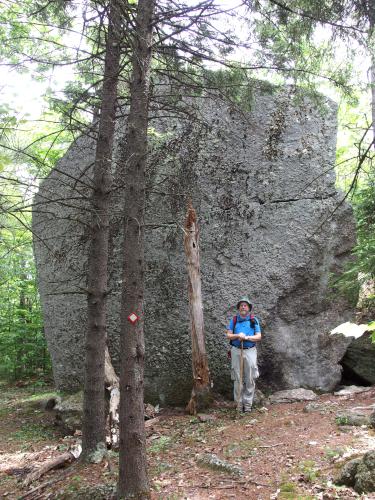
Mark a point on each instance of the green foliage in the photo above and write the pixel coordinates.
(32, 432)
(362, 268)
(371, 328)
(234, 83)
(342, 420)
(292, 43)
(160, 444)
(23, 351)
(23, 156)
(309, 471)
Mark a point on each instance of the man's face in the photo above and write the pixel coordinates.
(244, 309)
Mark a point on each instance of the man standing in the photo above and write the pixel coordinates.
(243, 332)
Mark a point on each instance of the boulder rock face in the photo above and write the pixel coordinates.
(359, 358)
(262, 182)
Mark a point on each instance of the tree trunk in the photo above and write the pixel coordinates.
(201, 394)
(93, 427)
(133, 481)
(371, 19)
(112, 384)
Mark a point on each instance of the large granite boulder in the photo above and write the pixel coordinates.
(261, 179)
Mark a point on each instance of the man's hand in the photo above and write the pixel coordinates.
(242, 336)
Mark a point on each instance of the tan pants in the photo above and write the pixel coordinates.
(244, 395)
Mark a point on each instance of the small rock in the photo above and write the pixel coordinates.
(97, 456)
(359, 474)
(348, 473)
(311, 407)
(150, 411)
(49, 404)
(259, 399)
(350, 418)
(292, 396)
(365, 476)
(205, 418)
(215, 463)
(351, 389)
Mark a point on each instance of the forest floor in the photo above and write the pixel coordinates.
(279, 451)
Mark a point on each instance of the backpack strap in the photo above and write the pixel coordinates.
(234, 326)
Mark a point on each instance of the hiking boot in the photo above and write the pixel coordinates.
(247, 409)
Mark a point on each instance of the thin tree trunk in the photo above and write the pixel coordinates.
(112, 384)
(133, 481)
(93, 428)
(371, 18)
(372, 83)
(201, 393)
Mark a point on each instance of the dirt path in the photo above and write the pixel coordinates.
(282, 451)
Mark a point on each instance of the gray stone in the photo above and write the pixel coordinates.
(347, 474)
(263, 186)
(292, 396)
(365, 476)
(202, 417)
(359, 358)
(352, 418)
(69, 409)
(50, 403)
(322, 408)
(351, 389)
(359, 474)
(97, 456)
(259, 399)
(69, 402)
(215, 463)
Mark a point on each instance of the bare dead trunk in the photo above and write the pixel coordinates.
(112, 384)
(201, 393)
(93, 428)
(133, 481)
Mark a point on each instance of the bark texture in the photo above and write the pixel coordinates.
(93, 428)
(201, 393)
(371, 17)
(133, 481)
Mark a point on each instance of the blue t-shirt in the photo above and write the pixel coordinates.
(245, 326)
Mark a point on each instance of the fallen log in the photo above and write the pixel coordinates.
(53, 463)
(35, 493)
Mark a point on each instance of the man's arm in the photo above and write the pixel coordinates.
(254, 338)
(235, 336)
